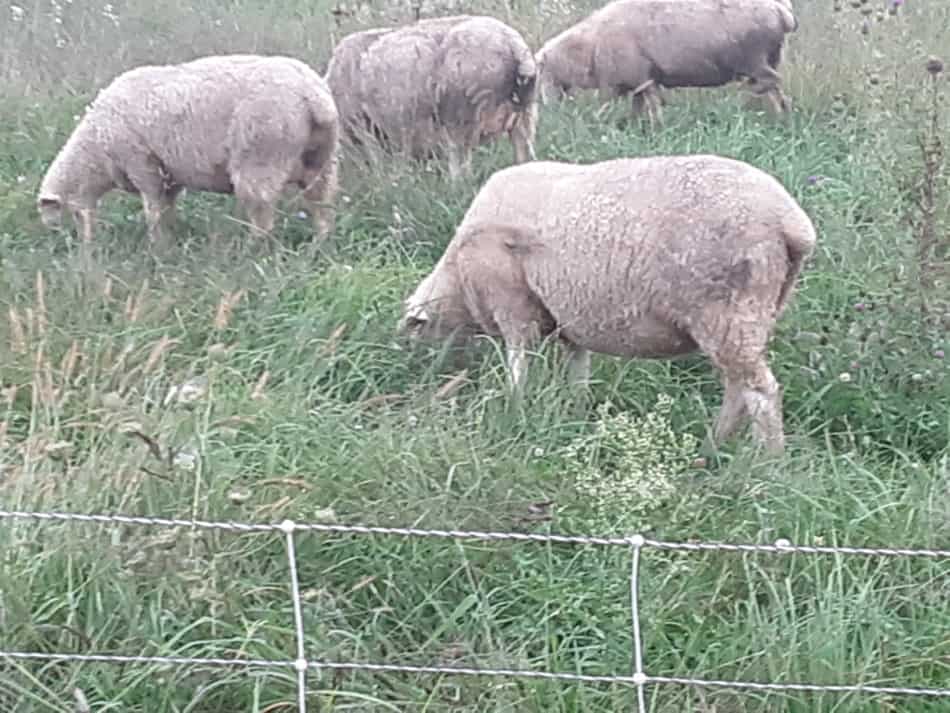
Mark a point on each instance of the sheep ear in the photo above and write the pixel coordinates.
(521, 240)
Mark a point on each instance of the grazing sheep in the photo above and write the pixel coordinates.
(449, 82)
(638, 46)
(244, 124)
(645, 257)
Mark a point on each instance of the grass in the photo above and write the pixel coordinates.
(308, 409)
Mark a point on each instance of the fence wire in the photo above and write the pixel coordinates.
(639, 678)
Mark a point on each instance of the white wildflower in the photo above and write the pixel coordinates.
(188, 392)
(630, 466)
(185, 459)
(844, 377)
(17, 13)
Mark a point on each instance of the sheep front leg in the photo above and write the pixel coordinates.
(86, 218)
(159, 218)
(646, 97)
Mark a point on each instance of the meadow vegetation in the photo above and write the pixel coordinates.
(224, 382)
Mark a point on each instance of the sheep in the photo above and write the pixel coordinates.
(652, 257)
(636, 47)
(248, 125)
(447, 83)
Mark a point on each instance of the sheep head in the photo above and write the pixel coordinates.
(436, 310)
(50, 208)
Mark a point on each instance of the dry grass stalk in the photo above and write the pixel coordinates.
(44, 392)
(42, 319)
(292, 482)
(381, 400)
(333, 341)
(451, 386)
(158, 351)
(258, 392)
(273, 508)
(226, 307)
(67, 367)
(17, 335)
(133, 306)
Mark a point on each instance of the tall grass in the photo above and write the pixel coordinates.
(299, 403)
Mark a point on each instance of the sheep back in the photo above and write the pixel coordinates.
(627, 254)
(673, 42)
(344, 75)
(482, 64)
(455, 73)
(202, 120)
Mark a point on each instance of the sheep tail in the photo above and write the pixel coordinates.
(799, 235)
(323, 111)
(789, 21)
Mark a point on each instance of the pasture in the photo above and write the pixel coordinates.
(301, 403)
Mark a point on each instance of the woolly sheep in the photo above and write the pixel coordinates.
(449, 82)
(633, 257)
(636, 47)
(250, 125)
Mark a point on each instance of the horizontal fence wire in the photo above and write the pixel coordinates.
(778, 547)
(634, 542)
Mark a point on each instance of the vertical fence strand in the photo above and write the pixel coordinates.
(300, 664)
(639, 677)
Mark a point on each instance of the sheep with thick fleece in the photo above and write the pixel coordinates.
(250, 125)
(447, 83)
(636, 47)
(634, 257)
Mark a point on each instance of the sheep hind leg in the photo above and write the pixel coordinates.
(257, 196)
(460, 160)
(517, 367)
(578, 376)
(320, 194)
(763, 400)
(578, 366)
(767, 84)
(646, 99)
(737, 348)
(732, 412)
(260, 213)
